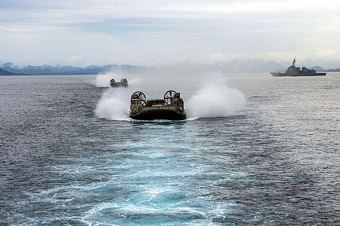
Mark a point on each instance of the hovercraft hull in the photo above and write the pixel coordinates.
(152, 114)
(118, 84)
(278, 74)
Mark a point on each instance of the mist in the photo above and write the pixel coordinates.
(114, 105)
(215, 99)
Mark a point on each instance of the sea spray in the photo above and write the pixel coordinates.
(135, 82)
(215, 99)
(103, 80)
(114, 104)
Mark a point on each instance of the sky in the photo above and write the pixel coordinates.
(168, 32)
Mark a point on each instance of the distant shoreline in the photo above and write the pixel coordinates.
(27, 75)
(9, 69)
(44, 74)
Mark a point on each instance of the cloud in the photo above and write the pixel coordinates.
(165, 32)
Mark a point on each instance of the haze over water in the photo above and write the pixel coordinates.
(273, 160)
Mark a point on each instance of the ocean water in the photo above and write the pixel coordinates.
(70, 156)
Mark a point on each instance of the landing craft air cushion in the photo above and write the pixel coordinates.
(171, 107)
(123, 83)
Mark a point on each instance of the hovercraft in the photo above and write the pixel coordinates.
(123, 83)
(171, 107)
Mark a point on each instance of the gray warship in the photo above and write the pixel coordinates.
(296, 71)
(171, 107)
(123, 83)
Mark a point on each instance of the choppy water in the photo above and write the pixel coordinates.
(276, 162)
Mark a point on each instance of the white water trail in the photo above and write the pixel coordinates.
(215, 99)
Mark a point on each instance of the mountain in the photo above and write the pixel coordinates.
(4, 72)
(233, 66)
(67, 70)
(249, 65)
(318, 69)
(334, 70)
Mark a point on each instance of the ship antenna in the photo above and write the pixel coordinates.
(294, 61)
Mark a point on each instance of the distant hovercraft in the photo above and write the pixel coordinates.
(171, 107)
(123, 83)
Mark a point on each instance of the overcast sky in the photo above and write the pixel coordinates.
(157, 32)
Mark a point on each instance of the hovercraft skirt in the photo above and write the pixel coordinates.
(153, 114)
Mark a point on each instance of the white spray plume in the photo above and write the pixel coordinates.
(215, 99)
(103, 80)
(115, 102)
(135, 82)
(114, 105)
